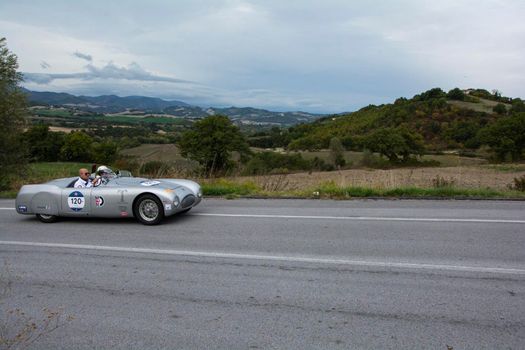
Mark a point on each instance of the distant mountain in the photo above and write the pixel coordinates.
(102, 104)
(115, 104)
(254, 115)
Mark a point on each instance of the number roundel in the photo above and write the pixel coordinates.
(76, 201)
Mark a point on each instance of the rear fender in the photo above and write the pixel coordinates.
(44, 203)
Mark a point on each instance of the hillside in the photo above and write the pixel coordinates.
(432, 120)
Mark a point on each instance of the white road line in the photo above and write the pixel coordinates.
(365, 218)
(355, 218)
(315, 260)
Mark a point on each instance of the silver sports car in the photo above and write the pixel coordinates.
(117, 196)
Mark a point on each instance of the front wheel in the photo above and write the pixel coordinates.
(148, 210)
(47, 218)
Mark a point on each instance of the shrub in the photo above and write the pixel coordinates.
(441, 182)
(519, 184)
(264, 162)
(499, 108)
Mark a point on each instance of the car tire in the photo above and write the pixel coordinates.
(148, 210)
(48, 219)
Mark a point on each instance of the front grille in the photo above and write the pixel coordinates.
(188, 201)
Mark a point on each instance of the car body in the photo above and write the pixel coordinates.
(148, 200)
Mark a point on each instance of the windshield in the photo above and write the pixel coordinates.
(103, 175)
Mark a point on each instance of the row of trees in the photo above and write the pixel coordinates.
(43, 145)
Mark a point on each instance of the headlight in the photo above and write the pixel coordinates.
(176, 201)
(199, 194)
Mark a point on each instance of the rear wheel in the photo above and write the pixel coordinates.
(47, 218)
(148, 210)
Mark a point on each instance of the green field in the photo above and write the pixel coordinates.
(53, 113)
(114, 119)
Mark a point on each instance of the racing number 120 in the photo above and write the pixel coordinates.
(75, 200)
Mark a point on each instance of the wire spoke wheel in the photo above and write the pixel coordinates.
(148, 210)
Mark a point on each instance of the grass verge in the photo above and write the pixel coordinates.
(330, 190)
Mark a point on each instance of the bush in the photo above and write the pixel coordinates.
(370, 160)
(499, 109)
(519, 184)
(264, 162)
(441, 182)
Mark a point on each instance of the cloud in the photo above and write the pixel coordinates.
(133, 72)
(333, 55)
(83, 56)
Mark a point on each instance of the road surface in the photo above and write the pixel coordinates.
(276, 274)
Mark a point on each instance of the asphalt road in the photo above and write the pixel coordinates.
(275, 274)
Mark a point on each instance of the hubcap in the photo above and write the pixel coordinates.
(148, 210)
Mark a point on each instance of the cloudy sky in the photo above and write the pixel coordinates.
(318, 56)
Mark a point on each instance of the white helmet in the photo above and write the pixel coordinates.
(103, 169)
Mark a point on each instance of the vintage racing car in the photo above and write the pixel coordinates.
(117, 196)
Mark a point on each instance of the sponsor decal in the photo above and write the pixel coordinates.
(123, 210)
(99, 201)
(149, 183)
(167, 206)
(76, 201)
(22, 208)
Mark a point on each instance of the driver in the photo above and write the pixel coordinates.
(103, 175)
(83, 179)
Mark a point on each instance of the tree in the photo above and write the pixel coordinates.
(77, 147)
(12, 118)
(431, 94)
(337, 152)
(456, 94)
(42, 144)
(394, 143)
(506, 137)
(104, 152)
(211, 141)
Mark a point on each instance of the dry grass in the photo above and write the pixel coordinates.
(149, 152)
(462, 177)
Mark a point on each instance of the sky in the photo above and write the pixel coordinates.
(316, 56)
